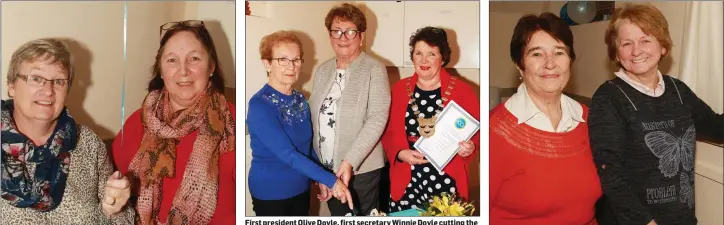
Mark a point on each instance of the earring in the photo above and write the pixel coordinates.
(520, 78)
(211, 75)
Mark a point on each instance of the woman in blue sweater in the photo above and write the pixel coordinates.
(281, 137)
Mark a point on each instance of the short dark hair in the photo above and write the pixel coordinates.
(435, 37)
(529, 24)
(346, 12)
(202, 34)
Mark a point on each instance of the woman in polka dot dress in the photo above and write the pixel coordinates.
(416, 102)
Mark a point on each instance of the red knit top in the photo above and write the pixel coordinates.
(539, 177)
(124, 149)
(394, 138)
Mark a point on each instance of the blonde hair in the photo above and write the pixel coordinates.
(645, 16)
(40, 50)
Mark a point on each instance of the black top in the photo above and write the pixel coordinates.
(644, 149)
(427, 103)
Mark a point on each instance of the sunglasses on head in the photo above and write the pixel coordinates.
(186, 23)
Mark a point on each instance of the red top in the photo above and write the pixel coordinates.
(124, 149)
(539, 177)
(395, 138)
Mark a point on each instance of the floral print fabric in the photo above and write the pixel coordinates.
(35, 176)
(328, 119)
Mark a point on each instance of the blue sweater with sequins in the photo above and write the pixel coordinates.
(283, 161)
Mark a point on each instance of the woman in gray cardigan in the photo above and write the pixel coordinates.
(350, 103)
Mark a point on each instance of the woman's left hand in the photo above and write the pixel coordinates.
(466, 148)
(117, 192)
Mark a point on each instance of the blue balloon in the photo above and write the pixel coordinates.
(564, 15)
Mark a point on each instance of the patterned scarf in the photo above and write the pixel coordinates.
(195, 201)
(44, 191)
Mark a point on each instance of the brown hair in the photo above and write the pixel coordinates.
(272, 40)
(346, 12)
(529, 24)
(435, 37)
(645, 16)
(42, 49)
(200, 32)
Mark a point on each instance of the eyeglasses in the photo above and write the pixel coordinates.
(39, 81)
(285, 61)
(337, 34)
(188, 23)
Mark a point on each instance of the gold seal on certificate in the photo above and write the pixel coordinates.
(452, 126)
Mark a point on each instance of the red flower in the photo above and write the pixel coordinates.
(14, 150)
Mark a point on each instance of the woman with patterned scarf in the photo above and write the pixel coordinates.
(54, 171)
(179, 147)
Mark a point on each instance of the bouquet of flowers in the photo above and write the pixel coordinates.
(448, 205)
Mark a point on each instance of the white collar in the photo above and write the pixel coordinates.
(656, 92)
(523, 108)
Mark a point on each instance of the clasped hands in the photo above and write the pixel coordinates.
(340, 190)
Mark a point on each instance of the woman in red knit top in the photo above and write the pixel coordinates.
(413, 180)
(541, 167)
(179, 147)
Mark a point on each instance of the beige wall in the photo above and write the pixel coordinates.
(592, 67)
(144, 21)
(97, 35)
(503, 72)
(96, 31)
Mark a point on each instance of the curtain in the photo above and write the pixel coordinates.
(703, 52)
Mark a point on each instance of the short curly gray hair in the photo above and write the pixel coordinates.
(53, 49)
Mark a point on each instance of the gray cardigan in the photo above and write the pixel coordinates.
(363, 109)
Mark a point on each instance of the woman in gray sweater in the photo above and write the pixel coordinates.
(349, 104)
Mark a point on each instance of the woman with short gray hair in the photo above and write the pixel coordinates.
(54, 171)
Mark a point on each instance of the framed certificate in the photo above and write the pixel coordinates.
(452, 126)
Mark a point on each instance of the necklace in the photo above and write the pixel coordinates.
(427, 125)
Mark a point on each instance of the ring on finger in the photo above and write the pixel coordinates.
(113, 202)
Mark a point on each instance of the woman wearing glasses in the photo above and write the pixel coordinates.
(180, 146)
(53, 169)
(280, 130)
(350, 102)
(416, 101)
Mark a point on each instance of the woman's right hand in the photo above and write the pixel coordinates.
(412, 157)
(341, 192)
(117, 193)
